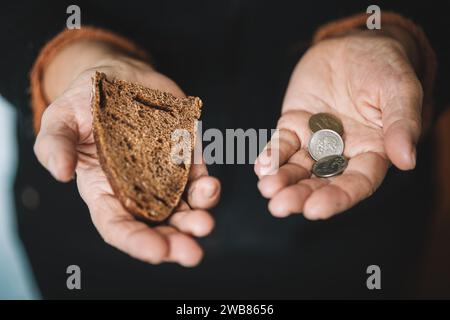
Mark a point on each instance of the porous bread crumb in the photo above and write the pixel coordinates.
(133, 128)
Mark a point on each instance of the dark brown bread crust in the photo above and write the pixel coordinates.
(133, 128)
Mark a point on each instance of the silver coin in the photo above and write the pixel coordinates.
(329, 166)
(325, 143)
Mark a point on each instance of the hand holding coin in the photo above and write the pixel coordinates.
(343, 122)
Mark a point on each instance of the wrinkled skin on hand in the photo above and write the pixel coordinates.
(65, 145)
(369, 83)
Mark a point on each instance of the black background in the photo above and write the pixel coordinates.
(237, 56)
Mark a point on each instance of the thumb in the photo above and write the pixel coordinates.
(56, 142)
(203, 191)
(402, 123)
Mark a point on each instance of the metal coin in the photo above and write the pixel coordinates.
(325, 143)
(330, 166)
(325, 120)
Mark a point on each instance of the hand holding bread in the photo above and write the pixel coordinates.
(366, 80)
(65, 145)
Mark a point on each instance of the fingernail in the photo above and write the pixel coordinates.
(264, 171)
(264, 157)
(208, 191)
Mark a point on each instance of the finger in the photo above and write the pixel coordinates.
(119, 229)
(204, 192)
(198, 168)
(198, 223)
(362, 177)
(402, 126)
(291, 199)
(281, 147)
(55, 145)
(298, 167)
(182, 206)
(182, 248)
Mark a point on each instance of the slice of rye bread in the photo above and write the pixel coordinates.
(133, 128)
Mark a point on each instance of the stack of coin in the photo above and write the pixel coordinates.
(326, 145)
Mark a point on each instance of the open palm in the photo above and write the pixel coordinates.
(65, 144)
(370, 85)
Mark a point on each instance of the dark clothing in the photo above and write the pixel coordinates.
(237, 56)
